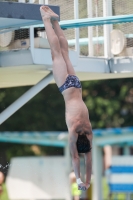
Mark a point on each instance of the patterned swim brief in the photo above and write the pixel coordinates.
(71, 81)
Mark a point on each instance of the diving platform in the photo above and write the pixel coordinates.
(16, 15)
(23, 67)
(26, 71)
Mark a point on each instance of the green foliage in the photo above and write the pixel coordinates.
(110, 104)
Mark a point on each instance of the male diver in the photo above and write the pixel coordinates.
(76, 115)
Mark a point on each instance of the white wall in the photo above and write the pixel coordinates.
(32, 178)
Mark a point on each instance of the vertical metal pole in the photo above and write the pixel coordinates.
(107, 11)
(32, 38)
(32, 43)
(21, 1)
(68, 163)
(110, 12)
(76, 16)
(128, 196)
(126, 150)
(90, 29)
(42, 2)
(105, 30)
(46, 2)
(97, 170)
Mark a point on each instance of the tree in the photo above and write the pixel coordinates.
(110, 104)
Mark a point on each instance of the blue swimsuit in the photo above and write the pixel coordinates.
(71, 81)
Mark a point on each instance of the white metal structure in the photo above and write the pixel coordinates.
(30, 66)
(38, 178)
(100, 139)
(121, 175)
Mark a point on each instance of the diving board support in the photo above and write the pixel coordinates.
(25, 98)
(21, 1)
(126, 150)
(107, 11)
(32, 49)
(46, 1)
(90, 29)
(76, 16)
(97, 171)
(42, 2)
(32, 38)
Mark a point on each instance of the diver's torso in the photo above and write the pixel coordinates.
(77, 116)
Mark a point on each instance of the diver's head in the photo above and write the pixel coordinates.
(83, 144)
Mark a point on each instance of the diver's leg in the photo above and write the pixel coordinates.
(64, 46)
(59, 65)
(63, 42)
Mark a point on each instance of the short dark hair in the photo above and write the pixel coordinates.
(83, 144)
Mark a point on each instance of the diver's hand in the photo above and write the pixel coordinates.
(82, 186)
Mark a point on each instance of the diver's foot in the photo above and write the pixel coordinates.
(46, 13)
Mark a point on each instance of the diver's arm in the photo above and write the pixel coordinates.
(74, 154)
(76, 160)
(88, 167)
